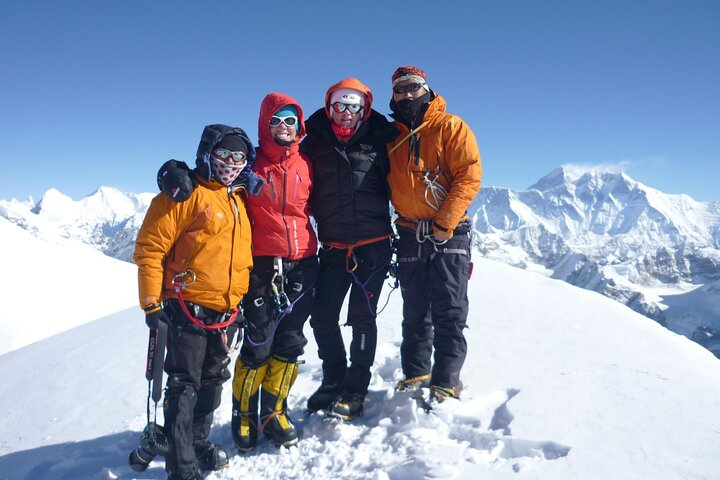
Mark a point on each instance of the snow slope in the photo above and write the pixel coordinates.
(561, 383)
(47, 288)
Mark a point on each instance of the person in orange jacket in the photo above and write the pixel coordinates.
(194, 262)
(280, 295)
(435, 174)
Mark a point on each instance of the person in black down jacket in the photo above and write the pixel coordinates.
(350, 202)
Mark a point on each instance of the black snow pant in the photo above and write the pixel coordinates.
(196, 364)
(266, 333)
(433, 281)
(370, 263)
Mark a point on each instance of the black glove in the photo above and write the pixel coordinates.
(153, 319)
(176, 180)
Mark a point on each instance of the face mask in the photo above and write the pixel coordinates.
(224, 172)
(408, 108)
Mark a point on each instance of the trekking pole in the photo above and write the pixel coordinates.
(153, 441)
(155, 362)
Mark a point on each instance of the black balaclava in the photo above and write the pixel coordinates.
(407, 109)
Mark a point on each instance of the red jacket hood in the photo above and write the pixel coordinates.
(353, 83)
(271, 104)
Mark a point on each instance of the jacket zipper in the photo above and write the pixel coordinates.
(236, 223)
(283, 168)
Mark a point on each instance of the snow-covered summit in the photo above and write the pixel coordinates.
(602, 230)
(107, 219)
(599, 203)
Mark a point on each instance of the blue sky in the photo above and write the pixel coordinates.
(100, 93)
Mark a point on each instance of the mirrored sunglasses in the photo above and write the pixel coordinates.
(290, 121)
(351, 107)
(410, 87)
(224, 154)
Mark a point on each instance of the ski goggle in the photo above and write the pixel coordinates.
(410, 87)
(290, 121)
(225, 154)
(350, 107)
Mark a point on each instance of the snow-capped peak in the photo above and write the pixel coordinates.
(108, 219)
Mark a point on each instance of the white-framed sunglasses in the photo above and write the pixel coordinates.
(290, 121)
(224, 154)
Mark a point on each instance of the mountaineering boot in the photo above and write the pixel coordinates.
(348, 407)
(440, 394)
(324, 397)
(330, 389)
(210, 456)
(280, 376)
(412, 384)
(244, 424)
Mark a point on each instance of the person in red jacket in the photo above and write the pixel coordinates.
(281, 290)
(281, 283)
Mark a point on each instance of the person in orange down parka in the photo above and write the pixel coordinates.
(435, 174)
(202, 243)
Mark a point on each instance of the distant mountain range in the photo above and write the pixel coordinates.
(657, 253)
(606, 232)
(108, 219)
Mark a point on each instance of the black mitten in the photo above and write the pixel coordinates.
(153, 319)
(176, 180)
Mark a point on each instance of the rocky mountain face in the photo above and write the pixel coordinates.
(606, 232)
(659, 254)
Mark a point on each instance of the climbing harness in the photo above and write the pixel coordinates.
(277, 283)
(283, 305)
(392, 271)
(182, 280)
(351, 264)
(423, 233)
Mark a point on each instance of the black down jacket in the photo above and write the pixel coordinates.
(351, 198)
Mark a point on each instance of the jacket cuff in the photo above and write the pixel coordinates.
(152, 308)
(437, 226)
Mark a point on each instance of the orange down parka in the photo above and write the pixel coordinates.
(209, 234)
(445, 148)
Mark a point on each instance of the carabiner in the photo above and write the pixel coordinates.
(183, 279)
